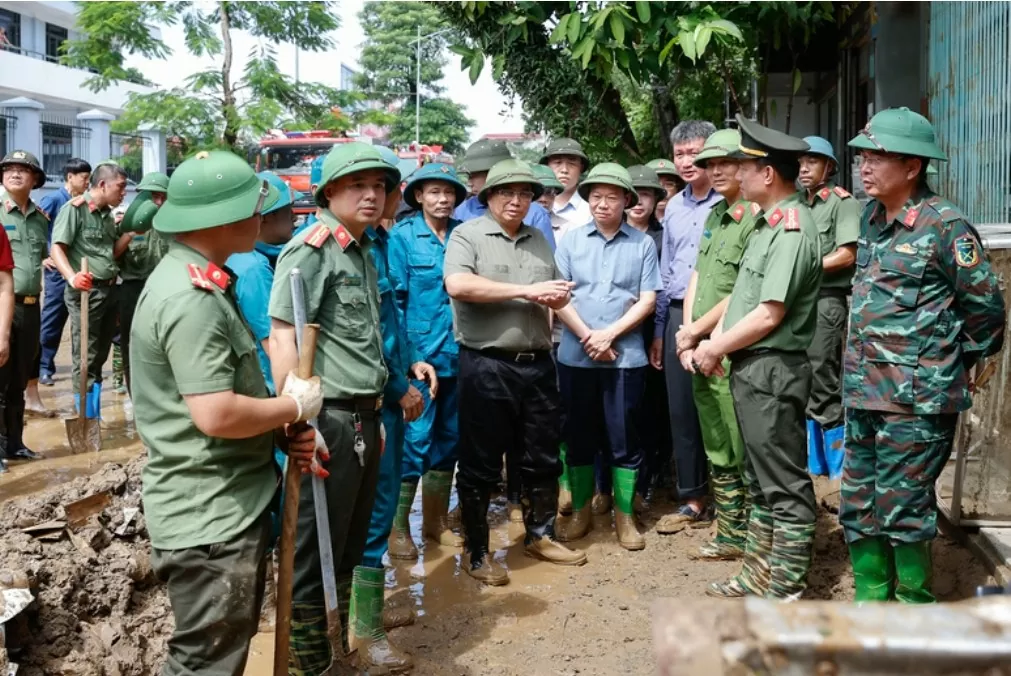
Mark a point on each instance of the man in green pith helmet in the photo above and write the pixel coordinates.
(766, 331)
(203, 412)
(142, 254)
(342, 296)
(725, 235)
(552, 186)
(927, 309)
(565, 157)
(669, 179)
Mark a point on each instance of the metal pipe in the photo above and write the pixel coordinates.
(417, 94)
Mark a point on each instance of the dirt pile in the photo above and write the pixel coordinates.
(99, 611)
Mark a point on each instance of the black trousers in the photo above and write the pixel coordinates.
(129, 294)
(15, 374)
(686, 433)
(601, 406)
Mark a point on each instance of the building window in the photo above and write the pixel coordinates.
(10, 30)
(59, 138)
(55, 37)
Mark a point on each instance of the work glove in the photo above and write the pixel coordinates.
(307, 394)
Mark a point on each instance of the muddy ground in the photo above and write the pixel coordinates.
(103, 614)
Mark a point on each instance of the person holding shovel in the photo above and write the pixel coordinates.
(203, 412)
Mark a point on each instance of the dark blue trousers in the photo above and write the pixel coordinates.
(600, 414)
(54, 318)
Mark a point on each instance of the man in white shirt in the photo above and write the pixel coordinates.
(566, 158)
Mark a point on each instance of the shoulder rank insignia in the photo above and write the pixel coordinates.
(824, 193)
(343, 237)
(77, 201)
(792, 220)
(755, 209)
(910, 218)
(738, 213)
(775, 217)
(218, 276)
(199, 278)
(841, 191)
(966, 252)
(8, 205)
(40, 211)
(318, 236)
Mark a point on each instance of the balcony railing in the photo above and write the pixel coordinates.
(56, 60)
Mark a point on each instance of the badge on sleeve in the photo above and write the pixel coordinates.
(966, 252)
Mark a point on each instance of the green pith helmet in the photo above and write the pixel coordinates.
(899, 130)
(26, 159)
(565, 146)
(155, 181)
(434, 171)
(760, 142)
(211, 189)
(510, 171)
(720, 144)
(662, 167)
(350, 158)
(484, 155)
(547, 177)
(645, 178)
(140, 216)
(609, 173)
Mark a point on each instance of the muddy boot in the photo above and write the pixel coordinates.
(731, 526)
(398, 617)
(601, 504)
(913, 572)
(476, 560)
(401, 545)
(564, 490)
(435, 490)
(453, 517)
(790, 561)
(118, 374)
(309, 651)
(370, 640)
(540, 508)
(873, 569)
(753, 580)
(628, 533)
(515, 512)
(579, 523)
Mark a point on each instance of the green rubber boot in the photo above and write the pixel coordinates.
(628, 533)
(564, 490)
(731, 522)
(913, 572)
(753, 580)
(435, 489)
(401, 546)
(579, 523)
(873, 569)
(370, 640)
(792, 545)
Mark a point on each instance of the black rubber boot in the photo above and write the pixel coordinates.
(476, 560)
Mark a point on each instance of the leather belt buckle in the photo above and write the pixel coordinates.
(524, 357)
(30, 300)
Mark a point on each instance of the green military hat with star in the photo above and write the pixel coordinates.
(351, 158)
(565, 147)
(509, 172)
(483, 155)
(25, 159)
(900, 131)
(662, 167)
(609, 173)
(721, 144)
(643, 177)
(547, 177)
(434, 171)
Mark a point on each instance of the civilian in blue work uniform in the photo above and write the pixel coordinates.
(402, 403)
(417, 249)
(76, 173)
(602, 358)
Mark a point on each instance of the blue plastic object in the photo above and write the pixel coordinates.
(835, 451)
(94, 403)
(816, 449)
(820, 146)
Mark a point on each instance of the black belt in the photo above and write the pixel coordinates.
(677, 302)
(517, 357)
(355, 405)
(26, 300)
(830, 292)
(741, 355)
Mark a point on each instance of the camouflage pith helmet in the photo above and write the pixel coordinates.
(547, 177)
(28, 160)
(565, 146)
(509, 172)
(609, 173)
(434, 171)
(662, 167)
(644, 178)
(155, 181)
(720, 144)
(484, 155)
(140, 215)
(211, 189)
(901, 131)
(350, 158)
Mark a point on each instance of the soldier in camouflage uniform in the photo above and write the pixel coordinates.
(926, 310)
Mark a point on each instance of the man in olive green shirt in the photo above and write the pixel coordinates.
(837, 215)
(204, 415)
(341, 294)
(727, 229)
(766, 331)
(145, 249)
(500, 274)
(85, 227)
(25, 227)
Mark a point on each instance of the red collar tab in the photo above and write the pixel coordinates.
(198, 277)
(9, 205)
(92, 207)
(775, 217)
(318, 236)
(218, 276)
(910, 218)
(824, 193)
(841, 191)
(343, 237)
(792, 220)
(738, 213)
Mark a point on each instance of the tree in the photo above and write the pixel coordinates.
(389, 73)
(216, 106)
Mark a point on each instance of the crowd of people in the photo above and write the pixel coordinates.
(731, 319)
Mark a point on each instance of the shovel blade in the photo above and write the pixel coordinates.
(84, 435)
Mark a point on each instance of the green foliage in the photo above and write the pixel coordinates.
(442, 123)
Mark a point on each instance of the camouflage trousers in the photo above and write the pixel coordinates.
(892, 463)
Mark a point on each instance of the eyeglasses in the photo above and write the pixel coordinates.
(518, 195)
(873, 161)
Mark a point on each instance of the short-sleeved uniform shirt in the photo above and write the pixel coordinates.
(26, 235)
(610, 276)
(481, 247)
(188, 338)
(342, 296)
(781, 263)
(837, 215)
(87, 230)
(142, 255)
(724, 236)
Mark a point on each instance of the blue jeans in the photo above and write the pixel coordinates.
(54, 318)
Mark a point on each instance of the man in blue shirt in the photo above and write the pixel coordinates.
(602, 358)
(478, 161)
(76, 173)
(416, 253)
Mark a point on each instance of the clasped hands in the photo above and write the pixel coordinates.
(695, 355)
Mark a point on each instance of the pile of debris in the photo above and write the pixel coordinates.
(84, 551)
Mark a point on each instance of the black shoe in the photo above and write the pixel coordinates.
(24, 454)
(46, 379)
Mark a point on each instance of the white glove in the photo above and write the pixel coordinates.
(307, 394)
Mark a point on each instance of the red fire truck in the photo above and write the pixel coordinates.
(289, 154)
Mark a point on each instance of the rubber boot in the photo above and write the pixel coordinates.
(435, 490)
(601, 504)
(790, 562)
(815, 449)
(370, 640)
(401, 544)
(540, 508)
(118, 377)
(476, 560)
(564, 490)
(580, 522)
(731, 525)
(873, 569)
(624, 481)
(753, 580)
(913, 572)
(96, 401)
(835, 450)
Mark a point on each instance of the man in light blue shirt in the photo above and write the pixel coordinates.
(602, 357)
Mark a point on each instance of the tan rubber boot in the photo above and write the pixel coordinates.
(435, 508)
(580, 522)
(515, 513)
(624, 481)
(628, 533)
(601, 504)
(548, 549)
(401, 545)
(488, 570)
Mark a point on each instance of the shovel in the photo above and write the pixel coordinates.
(84, 433)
